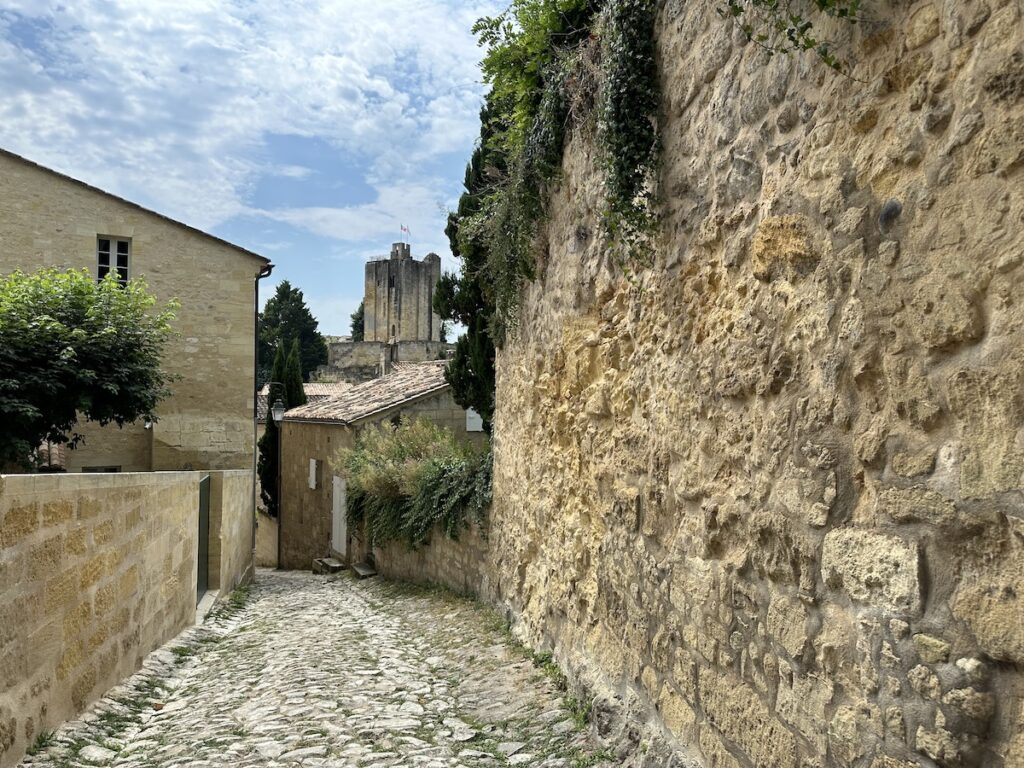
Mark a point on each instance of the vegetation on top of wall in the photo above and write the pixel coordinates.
(780, 27)
(73, 349)
(404, 480)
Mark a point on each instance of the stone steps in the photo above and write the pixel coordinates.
(364, 570)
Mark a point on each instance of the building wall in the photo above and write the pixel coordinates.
(47, 220)
(765, 494)
(398, 298)
(305, 520)
(266, 541)
(96, 571)
(360, 361)
(305, 523)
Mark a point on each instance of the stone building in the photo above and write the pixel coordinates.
(312, 519)
(48, 219)
(398, 303)
(399, 322)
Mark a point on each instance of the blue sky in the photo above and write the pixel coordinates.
(305, 130)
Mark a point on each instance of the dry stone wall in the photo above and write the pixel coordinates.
(766, 494)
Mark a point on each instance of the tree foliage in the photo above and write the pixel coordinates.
(284, 319)
(404, 480)
(73, 349)
(285, 385)
(358, 328)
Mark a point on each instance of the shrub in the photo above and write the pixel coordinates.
(405, 479)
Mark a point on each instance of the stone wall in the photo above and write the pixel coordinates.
(48, 220)
(266, 540)
(232, 529)
(360, 361)
(765, 496)
(460, 564)
(95, 572)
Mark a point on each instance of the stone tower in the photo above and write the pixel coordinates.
(398, 303)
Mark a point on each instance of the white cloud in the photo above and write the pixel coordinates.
(168, 102)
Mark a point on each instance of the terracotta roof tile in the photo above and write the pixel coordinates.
(405, 383)
(315, 392)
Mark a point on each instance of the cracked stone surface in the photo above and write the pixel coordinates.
(329, 671)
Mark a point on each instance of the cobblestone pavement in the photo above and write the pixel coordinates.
(329, 671)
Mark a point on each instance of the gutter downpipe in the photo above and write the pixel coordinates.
(265, 271)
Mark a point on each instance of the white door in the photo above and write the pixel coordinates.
(339, 527)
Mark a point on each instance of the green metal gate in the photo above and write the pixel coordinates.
(204, 538)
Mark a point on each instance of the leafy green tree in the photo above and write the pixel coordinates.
(73, 349)
(285, 384)
(284, 318)
(357, 323)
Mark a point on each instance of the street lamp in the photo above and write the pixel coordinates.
(277, 414)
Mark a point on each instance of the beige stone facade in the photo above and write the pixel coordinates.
(766, 496)
(47, 219)
(95, 572)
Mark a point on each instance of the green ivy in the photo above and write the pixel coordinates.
(779, 27)
(629, 133)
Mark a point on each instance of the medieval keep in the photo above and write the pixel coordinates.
(398, 303)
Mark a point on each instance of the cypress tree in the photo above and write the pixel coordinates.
(295, 395)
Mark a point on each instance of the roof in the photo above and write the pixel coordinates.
(404, 384)
(207, 235)
(316, 391)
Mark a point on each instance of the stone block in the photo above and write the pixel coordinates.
(19, 522)
(872, 567)
(740, 715)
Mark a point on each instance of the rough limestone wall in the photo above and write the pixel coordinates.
(768, 492)
(459, 564)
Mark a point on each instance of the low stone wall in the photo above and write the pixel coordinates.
(95, 572)
(266, 541)
(459, 564)
(232, 533)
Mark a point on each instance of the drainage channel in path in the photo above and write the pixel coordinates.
(308, 670)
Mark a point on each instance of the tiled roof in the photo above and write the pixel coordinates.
(315, 392)
(407, 382)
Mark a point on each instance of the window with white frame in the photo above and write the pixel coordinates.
(112, 255)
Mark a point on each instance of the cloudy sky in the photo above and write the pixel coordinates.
(305, 130)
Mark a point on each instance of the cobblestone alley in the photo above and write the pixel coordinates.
(329, 671)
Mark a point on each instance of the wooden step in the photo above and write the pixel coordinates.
(364, 570)
(327, 565)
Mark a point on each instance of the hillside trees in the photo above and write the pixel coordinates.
(73, 349)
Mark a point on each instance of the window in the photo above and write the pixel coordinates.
(112, 256)
(474, 422)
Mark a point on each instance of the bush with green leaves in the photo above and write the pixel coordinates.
(404, 480)
(72, 350)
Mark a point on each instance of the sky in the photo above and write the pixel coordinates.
(308, 131)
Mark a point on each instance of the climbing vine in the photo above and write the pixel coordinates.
(779, 26)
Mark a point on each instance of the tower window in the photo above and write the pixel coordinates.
(112, 256)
